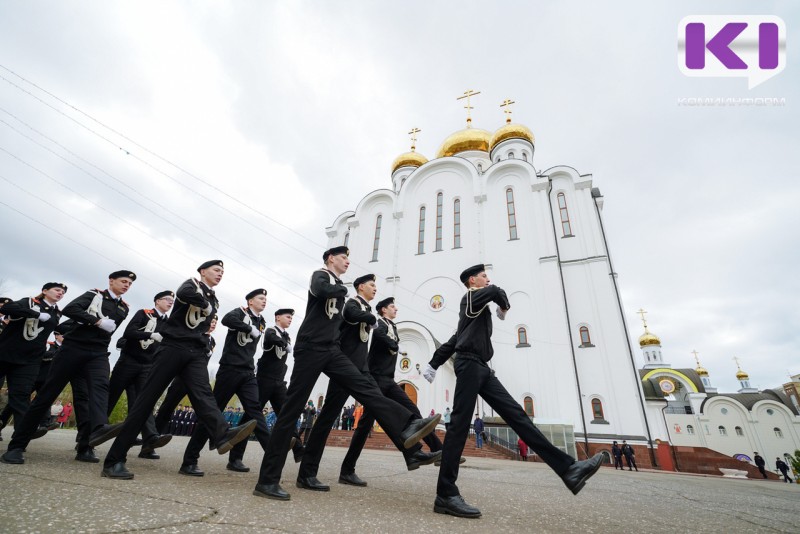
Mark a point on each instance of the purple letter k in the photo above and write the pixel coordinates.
(718, 45)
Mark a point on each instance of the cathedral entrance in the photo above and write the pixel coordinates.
(410, 390)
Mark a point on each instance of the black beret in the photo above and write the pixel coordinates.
(472, 271)
(384, 303)
(163, 294)
(5, 300)
(334, 251)
(255, 293)
(284, 311)
(122, 274)
(210, 263)
(363, 279)
(50, 285)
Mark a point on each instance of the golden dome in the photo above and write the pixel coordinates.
(648, 338)
(463, 140)
(409, 159)
(510, 131)
(701, 370)
(741, 375)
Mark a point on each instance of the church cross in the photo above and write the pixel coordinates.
(737, 363)
(507, 105)
(695, 357)
(642, 313)
(413, 133)
(467, 94)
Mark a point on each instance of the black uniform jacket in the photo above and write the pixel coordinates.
(138, 344)
(355, 329)
(24, 339)
(188, 323)
(383, 349)
(272, 364)
(320, 328)
(240, 346)
(86, 310)
(473, 337)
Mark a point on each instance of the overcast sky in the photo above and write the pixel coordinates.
(161, 134)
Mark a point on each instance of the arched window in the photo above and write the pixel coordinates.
(457, 223)
(402, 182)
(597, 409)
(512, 214)
(562, 208)
(524, 156)
(439, 210)
(690, 430)
(528, 404)
(586, 340)
(739, 431)
(778, 433)
(347, 239)
(376, 242)
(522, 337)
(480, 168)
(722, 431)
(511, 155)
(421, 235)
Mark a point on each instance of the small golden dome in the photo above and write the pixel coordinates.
(409, 159)
(741, 375)
(648, 339)
(511, 131)
(701, 370)
(464, 140)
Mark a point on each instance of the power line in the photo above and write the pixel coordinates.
(197, 178)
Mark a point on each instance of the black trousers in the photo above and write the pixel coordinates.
(393, 391)
(472, 379)
(309, 363)
(191, 365)
(72, 362)
(631, 461)
(131, 375)
(41, 376)
(165, 421)
(274, 392)
(618, 462)
(231, 381)
(21, 378)
(335, 398)
(80, 402)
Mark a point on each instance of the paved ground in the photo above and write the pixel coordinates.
(53, 493)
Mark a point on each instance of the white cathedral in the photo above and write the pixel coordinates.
(563, 349)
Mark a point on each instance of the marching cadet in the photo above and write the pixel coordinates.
(167, 421)
(236, 376)
(84, 354)
(382, 363)
(472, 346)
(270, 374)
(318, 352)
(183, 353)
(23, 344)
(139, 344)
(355, 330)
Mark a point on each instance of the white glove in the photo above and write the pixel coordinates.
(155, 336)
(107, 324)
(289, 348)
(501, 313)
(254, 332)
(429, 373)
(44, 317)
(207, 310)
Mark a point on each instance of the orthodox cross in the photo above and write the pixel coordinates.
(413, 133)
(642, 313)
(507, 105)
(467, 94)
